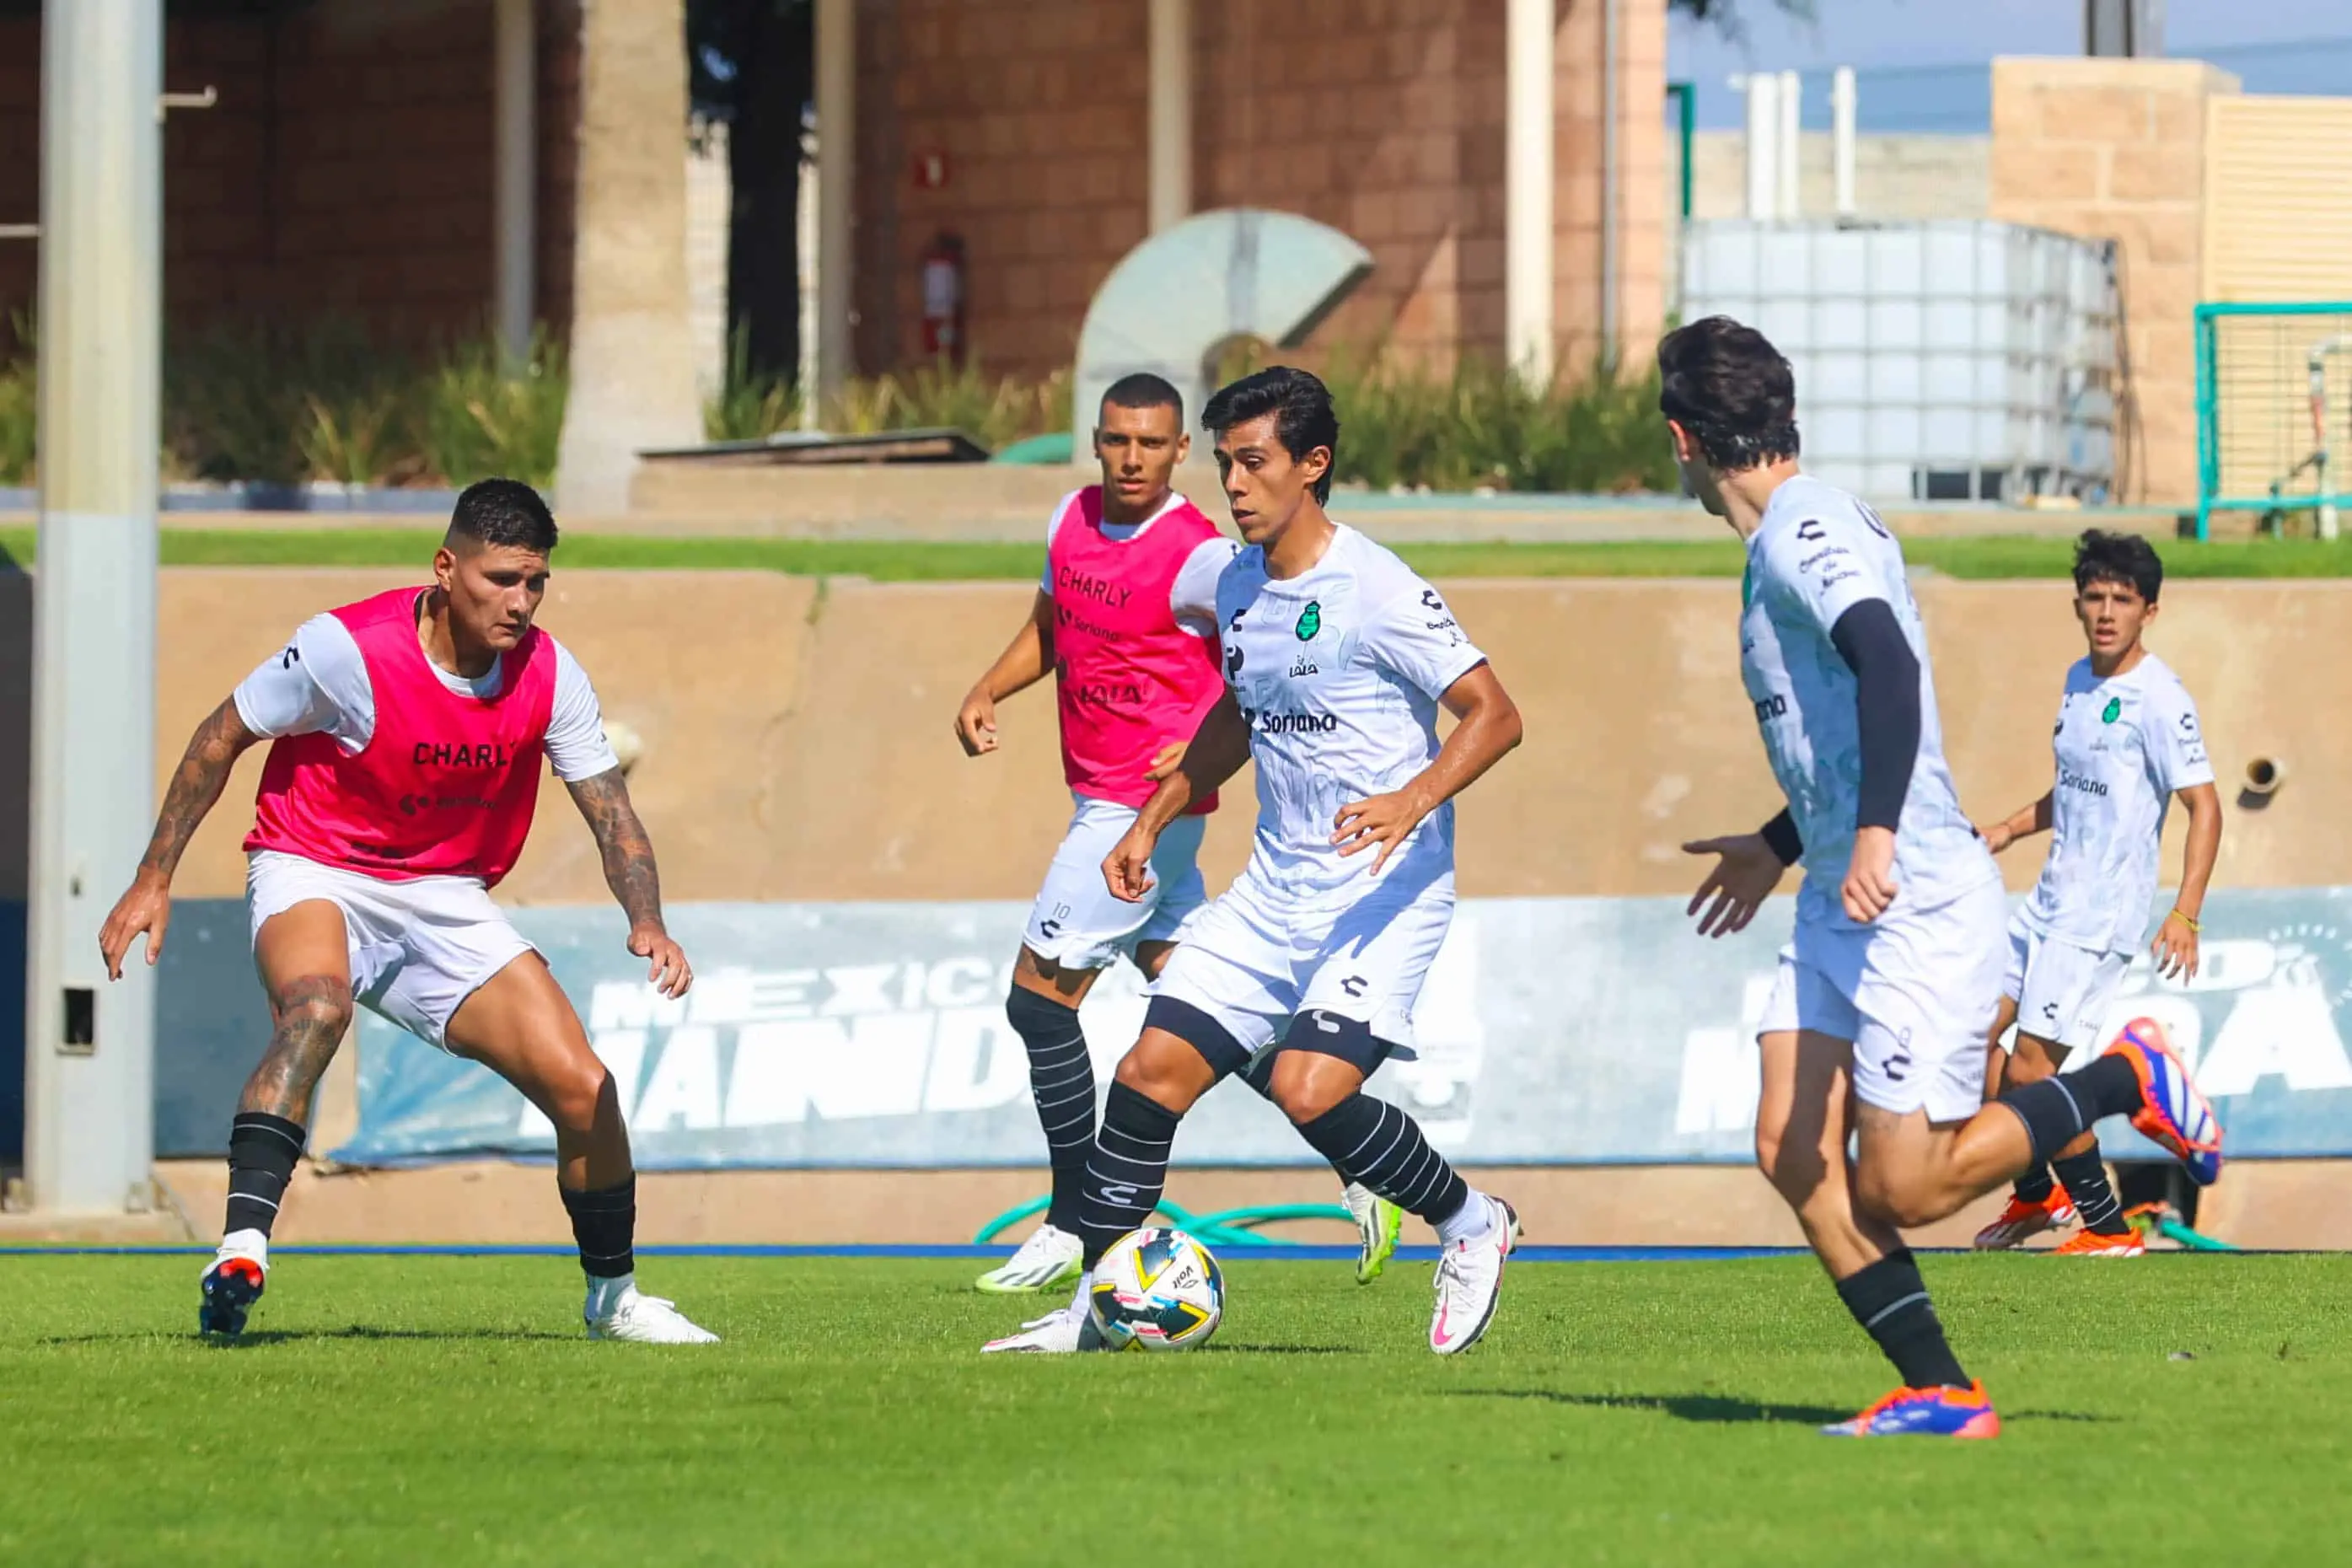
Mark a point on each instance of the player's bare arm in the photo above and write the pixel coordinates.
(630, 872)
(1487, 726)
(1025, 661)
(2020, 824)
(1217, 750)
(2174, 948)
(196, 784)
(1746, 869)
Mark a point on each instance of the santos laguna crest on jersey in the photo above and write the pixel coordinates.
(2124, 747)
(1818, 553)
(1339, 671)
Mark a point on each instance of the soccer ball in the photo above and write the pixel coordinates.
(1157, 1290)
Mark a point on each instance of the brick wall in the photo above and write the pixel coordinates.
(346, 170)
(1382, 118)
(2115, 149)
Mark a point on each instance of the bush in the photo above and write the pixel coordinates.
(995, 412)
(480, 417)
(19, 401)
(1482, 427)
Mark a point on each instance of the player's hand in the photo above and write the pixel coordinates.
(670, 972)
(1997, 838)
(1869, 889)
(975, 724)
(1746, 872)
(2174, 948)
(145, 907)
(1385, 820)
(1171, 758)
(1127, 869)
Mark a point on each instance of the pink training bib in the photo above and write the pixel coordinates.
(446, 785)
(1131, 680)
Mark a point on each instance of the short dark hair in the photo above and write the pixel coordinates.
(502, 512)
(1144, 390)
(2127, 558)
(1304, 418)
(1728, 386)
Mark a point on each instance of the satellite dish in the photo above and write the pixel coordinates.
(1237, 272)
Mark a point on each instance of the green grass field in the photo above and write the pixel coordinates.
(1987, 558)
(444, 1410)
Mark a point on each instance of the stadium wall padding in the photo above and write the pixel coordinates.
(797, 743)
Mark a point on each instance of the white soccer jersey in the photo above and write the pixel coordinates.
(1339, 671)
(319, 684)
(2125, 746)
(1817, 553)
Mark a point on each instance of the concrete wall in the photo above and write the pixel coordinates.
(2115, 149)
(797, 740)
(1894, 176)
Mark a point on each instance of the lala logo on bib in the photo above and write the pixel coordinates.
(1311, 620)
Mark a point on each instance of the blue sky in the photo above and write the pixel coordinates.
(1922, 63)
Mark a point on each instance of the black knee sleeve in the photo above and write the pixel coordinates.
(605, 1224)
(263, 1151)
(1062, 1082)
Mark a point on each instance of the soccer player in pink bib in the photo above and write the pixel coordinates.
(406, 736)
(1125, 620)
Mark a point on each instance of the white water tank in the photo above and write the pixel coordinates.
(1948, 360)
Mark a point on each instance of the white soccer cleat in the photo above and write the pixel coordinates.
(1470, 1282)
(1378, 1222)
(1063, 1331)
(633, 1315)
(1049, 1257)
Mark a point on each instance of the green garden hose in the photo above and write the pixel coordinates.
(1224, 1228)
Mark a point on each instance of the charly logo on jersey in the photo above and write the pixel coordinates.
(1311, 620)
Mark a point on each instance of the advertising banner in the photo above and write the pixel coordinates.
(1550, 1031)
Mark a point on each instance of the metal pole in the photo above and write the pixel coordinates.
(1790, 147)
(836, 162)
(1610, 182)
(1527, 240)
(1763, 137)
(1842, 117)
(1169, 113)
(515, 184)
(89, 1045)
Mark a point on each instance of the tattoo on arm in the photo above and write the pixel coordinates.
(309, 1017)
(203, 772)
(629, 868)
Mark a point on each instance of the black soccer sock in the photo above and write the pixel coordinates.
(1062, 1079)
(1371, 1141)
(2034, 1186)
(2085, 1176)
(263, 1151)
(1128, 1169)
(2058, 1110)
(605, 1224)
(1890, 1302)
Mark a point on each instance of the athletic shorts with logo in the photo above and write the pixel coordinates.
(1266, 952)
(418, 948)
(1078, 924)
(1916, 991)
(2062, 990)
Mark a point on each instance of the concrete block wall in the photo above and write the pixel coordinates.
(2115, 149)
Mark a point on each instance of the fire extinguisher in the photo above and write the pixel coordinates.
(943, 299)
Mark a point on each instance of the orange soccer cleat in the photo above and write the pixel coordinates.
(2100, 1244)
(2023, 1219)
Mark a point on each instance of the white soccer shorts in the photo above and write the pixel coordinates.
(1916, 991)
(2062, 991)
(1261, 955)
(418, 949)
(1077, 923)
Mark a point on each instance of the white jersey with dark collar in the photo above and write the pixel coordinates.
(1817, 553)
(1339, 671)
